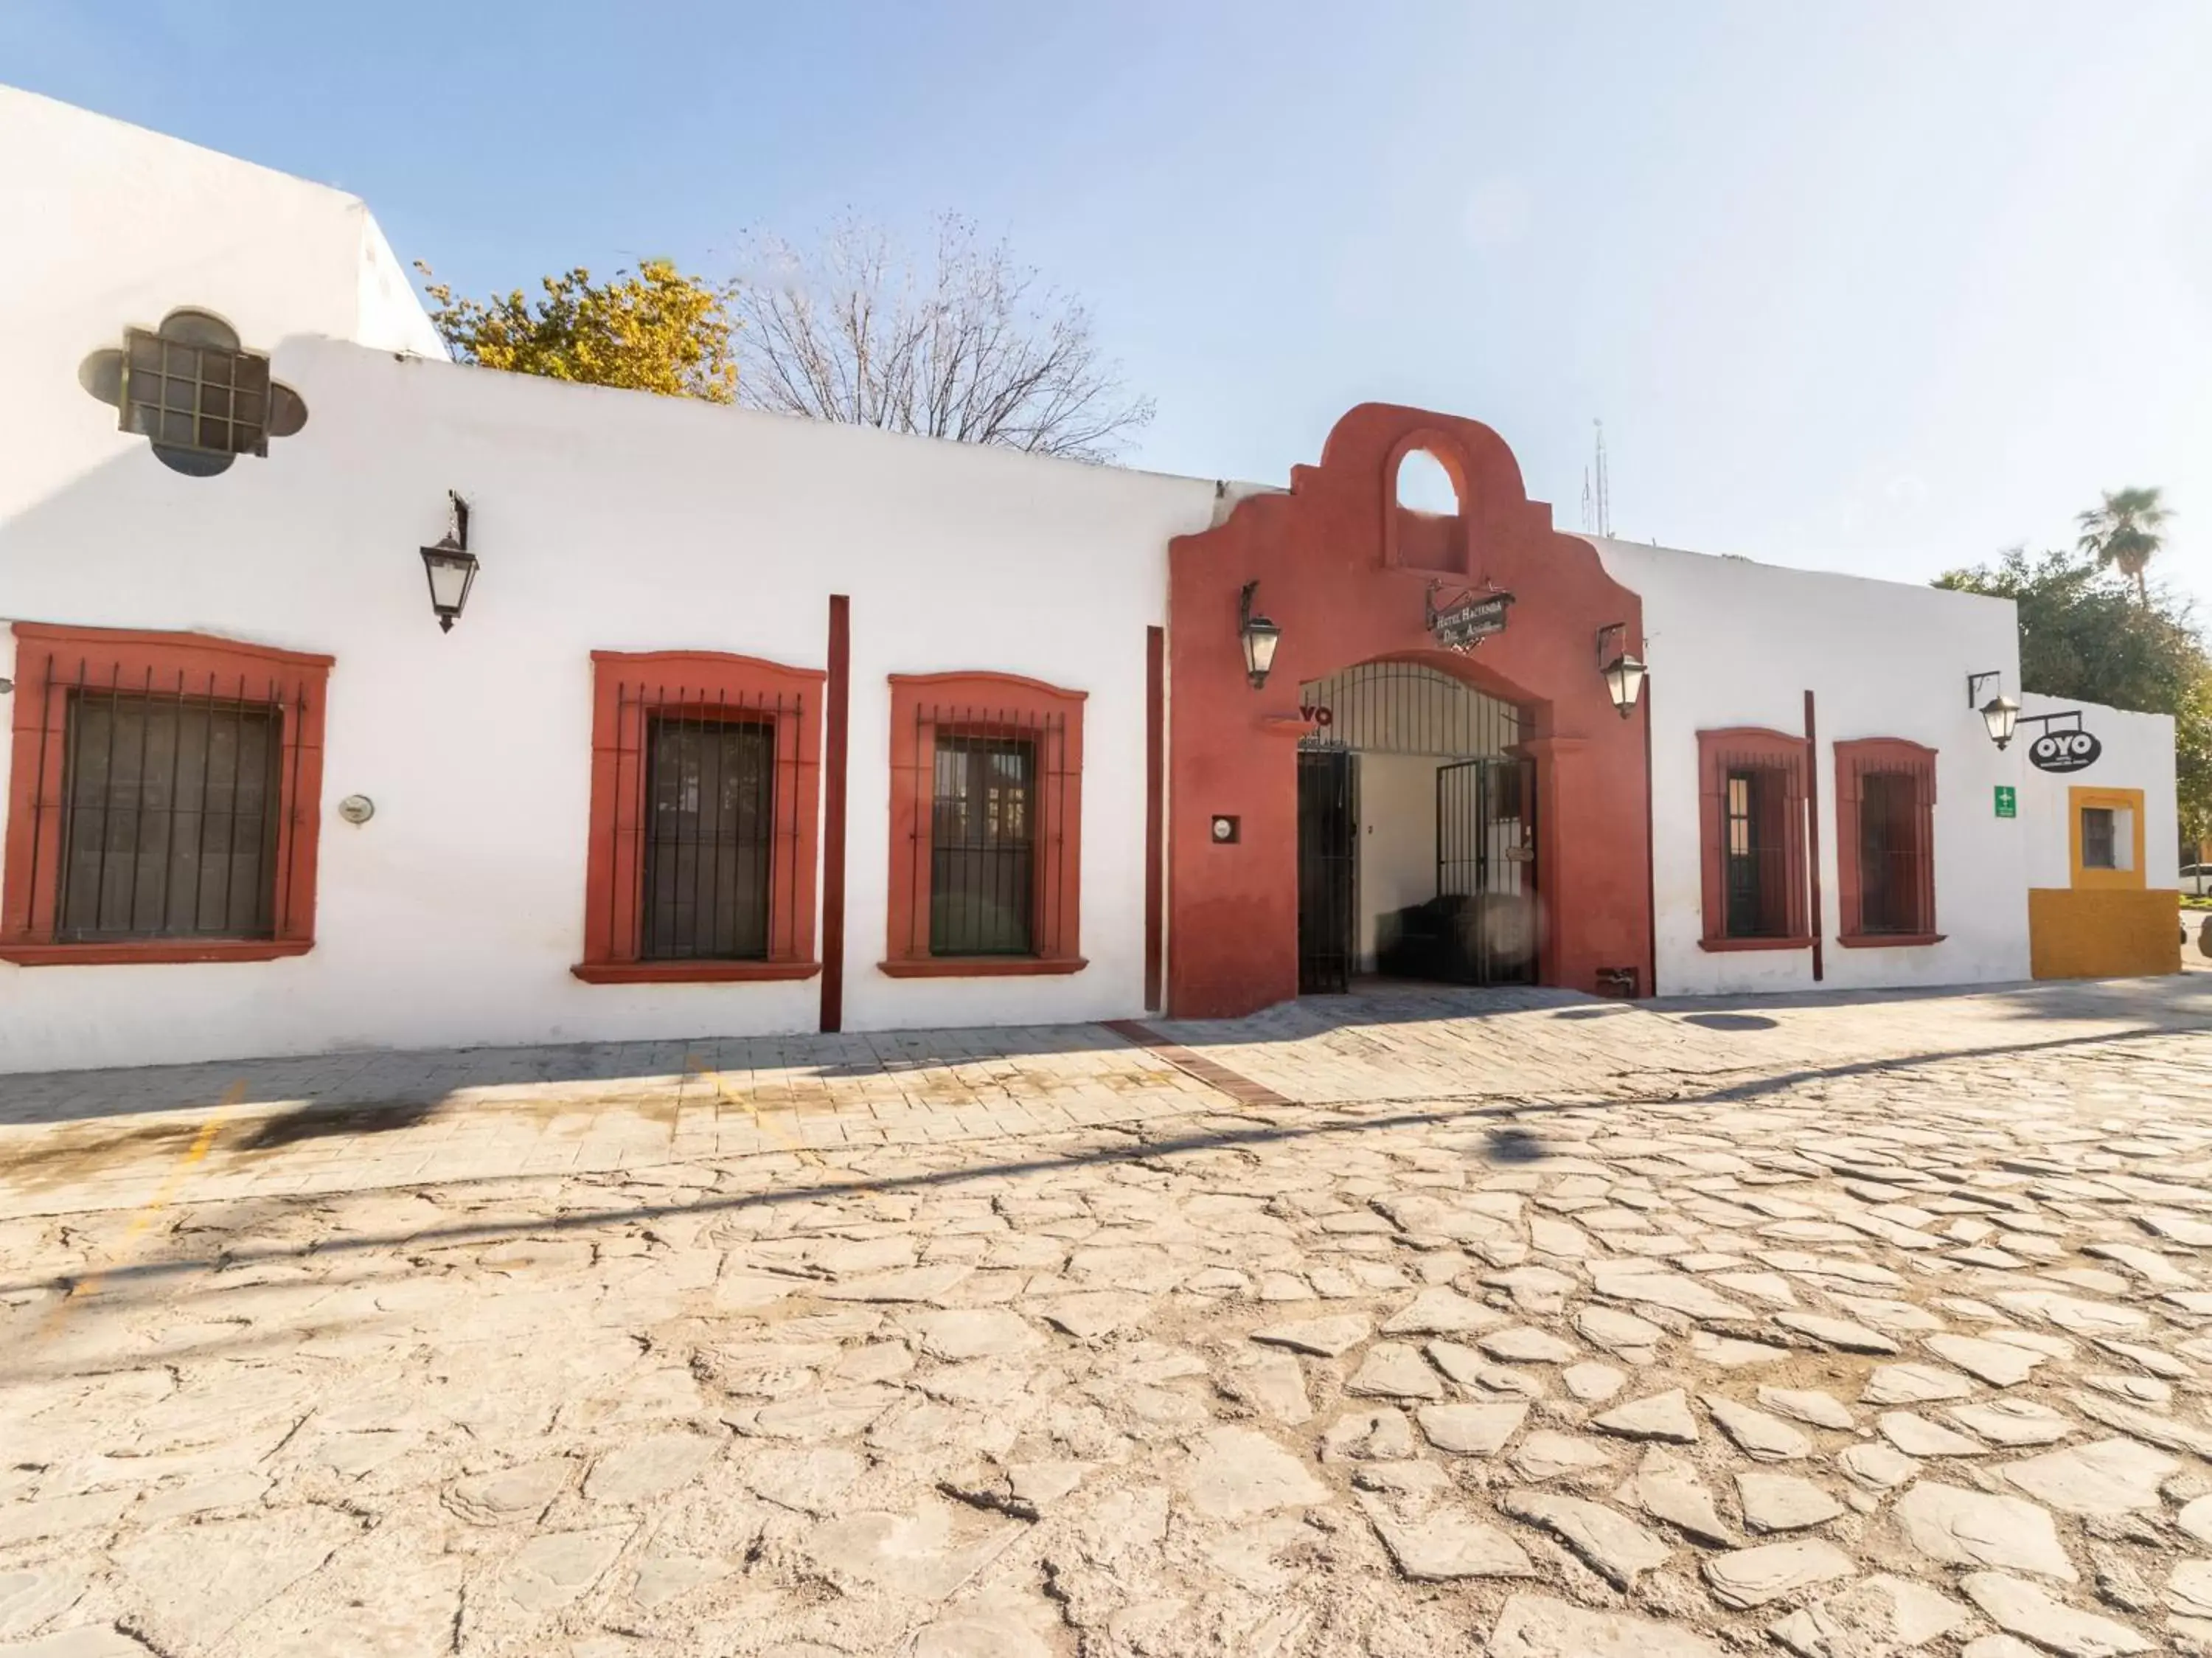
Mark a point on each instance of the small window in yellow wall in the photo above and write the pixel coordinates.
(2097, 850)
(2107, 836)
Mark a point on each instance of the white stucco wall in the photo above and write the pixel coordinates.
(605, 520)
(1397, 840)
(107, 226)
(1733, 643)
(2137, 754)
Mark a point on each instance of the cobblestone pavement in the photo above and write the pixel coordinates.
(1404, 1328)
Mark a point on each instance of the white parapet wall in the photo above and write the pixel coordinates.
(1734, 644)
(607, 521)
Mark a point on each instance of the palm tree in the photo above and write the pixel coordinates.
(2124, 534)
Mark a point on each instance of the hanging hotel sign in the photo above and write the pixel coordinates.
(2071, 750)
(1468, 620)
(2063, 750)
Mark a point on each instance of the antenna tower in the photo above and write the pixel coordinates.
(1597, 489)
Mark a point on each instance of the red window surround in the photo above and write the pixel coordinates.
(1910, 831)
(628, 687)
(1782, 758)
(50, 663)
(986, 704)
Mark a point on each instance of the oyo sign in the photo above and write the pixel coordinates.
(2063, 750)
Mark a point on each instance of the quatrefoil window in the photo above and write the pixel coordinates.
(194, 392)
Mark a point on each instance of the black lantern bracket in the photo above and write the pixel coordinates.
(1975, 681)
(457, 522)
(449, 565)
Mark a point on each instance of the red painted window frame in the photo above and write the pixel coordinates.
(988, 702)
(49, 660)
(1856, 759)
(703, 682)
(1734, 748)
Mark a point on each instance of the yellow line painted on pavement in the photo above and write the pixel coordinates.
(203, 1143)
(713, 1079)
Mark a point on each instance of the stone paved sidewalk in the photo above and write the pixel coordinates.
(89, 1141)
(1839, 1346)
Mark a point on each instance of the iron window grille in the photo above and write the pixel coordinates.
(1754, 827)
(1756, 854)
(1885, 831)
(169, 809)
(703, 862)
(990, 853)
(982, 848)
(709, 838)
(1889, 855)
(202, 398)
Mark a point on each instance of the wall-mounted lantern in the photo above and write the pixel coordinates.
(2000, 714)
(451, 566)
(1624, 671)
(1261, 637)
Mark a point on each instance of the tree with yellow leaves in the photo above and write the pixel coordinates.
(652, 330)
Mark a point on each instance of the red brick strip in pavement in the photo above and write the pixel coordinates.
(1241, 1088)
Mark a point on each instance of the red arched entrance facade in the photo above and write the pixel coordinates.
(1344, 571)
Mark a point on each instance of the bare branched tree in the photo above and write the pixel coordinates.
(969, 345)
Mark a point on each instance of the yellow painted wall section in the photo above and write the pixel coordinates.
(2102, 933)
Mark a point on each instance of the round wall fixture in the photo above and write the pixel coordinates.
(357, 808)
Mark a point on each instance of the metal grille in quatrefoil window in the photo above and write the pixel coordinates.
(194, 392)
(201, 397)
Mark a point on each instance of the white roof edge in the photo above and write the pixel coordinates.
(78, 111)
(1605, 544)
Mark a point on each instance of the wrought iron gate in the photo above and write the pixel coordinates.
(1329, 850)
(1486, 908)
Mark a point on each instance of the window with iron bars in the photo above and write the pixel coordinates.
(982, 845)
(162, 799)
(1889, 854)
(987, 813)
(1757, 854)
(1885, 841)
(1753, 825)
(168, 817)
(709, 838)
(705, 788)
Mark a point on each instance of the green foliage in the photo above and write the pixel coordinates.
(653, 330)
(2122, 534)
(2082, 636)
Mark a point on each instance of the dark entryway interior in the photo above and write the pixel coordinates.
(1416, 833)
(1328, 869)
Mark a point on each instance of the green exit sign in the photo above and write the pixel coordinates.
(2007, 802)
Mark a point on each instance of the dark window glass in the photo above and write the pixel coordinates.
(2099, 839)
(710, 795)
(170, 829)
(1890, 854)
(180, 395)
(1756, 854)
(981, 846)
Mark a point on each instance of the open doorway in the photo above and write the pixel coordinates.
(1417, 833)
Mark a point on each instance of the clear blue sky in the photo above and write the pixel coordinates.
(1878, 285)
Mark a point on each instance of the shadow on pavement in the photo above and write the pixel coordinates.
(1505, 1141)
